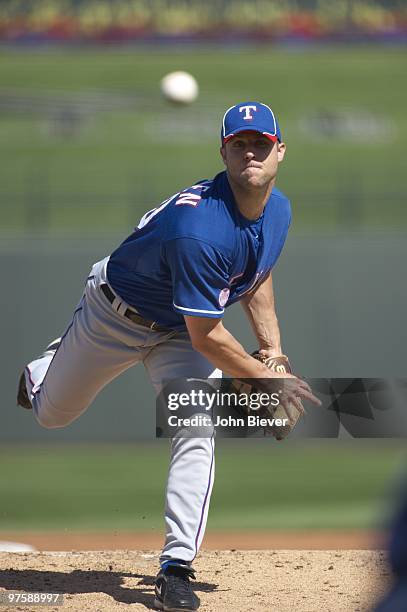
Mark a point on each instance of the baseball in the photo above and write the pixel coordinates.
(179, 87)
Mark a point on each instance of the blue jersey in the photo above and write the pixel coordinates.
(197, 254)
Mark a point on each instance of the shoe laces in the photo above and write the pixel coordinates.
(178, 579)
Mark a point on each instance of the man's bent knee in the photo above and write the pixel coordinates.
(50, 417)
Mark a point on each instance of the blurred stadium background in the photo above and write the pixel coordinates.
(87, 145)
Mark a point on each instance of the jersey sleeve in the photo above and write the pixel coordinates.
(199, 274)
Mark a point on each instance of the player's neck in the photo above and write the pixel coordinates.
(251, 202)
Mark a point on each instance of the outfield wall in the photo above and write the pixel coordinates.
(341, 301)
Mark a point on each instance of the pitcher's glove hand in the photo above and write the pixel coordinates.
(289, 388)
(279, 364)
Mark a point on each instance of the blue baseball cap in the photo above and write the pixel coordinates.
(250, 116)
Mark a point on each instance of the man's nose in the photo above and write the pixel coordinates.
(249, 154)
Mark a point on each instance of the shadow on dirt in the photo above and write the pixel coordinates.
(91, 581)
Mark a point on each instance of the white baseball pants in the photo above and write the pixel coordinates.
(98, 345)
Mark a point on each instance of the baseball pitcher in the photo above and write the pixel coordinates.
(159, 299)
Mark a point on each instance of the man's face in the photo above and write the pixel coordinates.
(252, 159)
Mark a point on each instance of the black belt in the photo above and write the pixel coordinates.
(133, 316)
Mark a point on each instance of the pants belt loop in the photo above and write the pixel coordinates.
(122, 309)
(116, 303)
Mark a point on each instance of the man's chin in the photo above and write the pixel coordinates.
(254, 182)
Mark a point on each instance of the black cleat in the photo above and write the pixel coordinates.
(173, 592)
(22, 395)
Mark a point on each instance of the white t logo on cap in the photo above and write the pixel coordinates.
(247, 109)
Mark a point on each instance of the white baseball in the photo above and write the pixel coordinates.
(179, 87)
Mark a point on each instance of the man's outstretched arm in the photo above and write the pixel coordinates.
(216, 343)
(260, 310)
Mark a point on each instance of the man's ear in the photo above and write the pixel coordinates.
(222, 151)
(281, 149)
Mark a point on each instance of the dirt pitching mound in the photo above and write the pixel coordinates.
(235, 581)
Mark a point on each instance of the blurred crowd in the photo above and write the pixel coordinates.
(101, 21)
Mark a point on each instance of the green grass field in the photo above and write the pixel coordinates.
(87, 142)
(258, 486)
